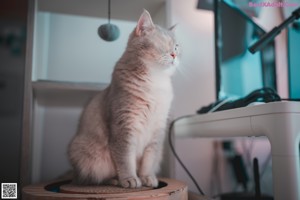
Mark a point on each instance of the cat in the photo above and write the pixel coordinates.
(121, 131)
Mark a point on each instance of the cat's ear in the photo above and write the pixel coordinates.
(144, 24)
(173, 28)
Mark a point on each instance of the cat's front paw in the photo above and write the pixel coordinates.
(132, 182)
(149, 181)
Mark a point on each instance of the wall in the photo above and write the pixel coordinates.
(69, 49)
(194, 85)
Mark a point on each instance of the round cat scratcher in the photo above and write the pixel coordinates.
(65, 190)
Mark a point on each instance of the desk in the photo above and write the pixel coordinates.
(278, 121)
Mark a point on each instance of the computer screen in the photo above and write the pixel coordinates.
(294, 60)
(238, 72)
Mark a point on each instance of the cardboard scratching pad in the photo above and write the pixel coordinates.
(62, 189)
(105, 189)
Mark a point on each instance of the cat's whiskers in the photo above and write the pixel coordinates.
(165, 60)
(182, 71)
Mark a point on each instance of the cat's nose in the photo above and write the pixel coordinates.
(173, 55)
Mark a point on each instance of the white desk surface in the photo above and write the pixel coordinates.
(200, 125)
(262, 109)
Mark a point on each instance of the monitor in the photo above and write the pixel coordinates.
(294, 60)
(238, 72)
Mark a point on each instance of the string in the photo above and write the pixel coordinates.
(109, 11)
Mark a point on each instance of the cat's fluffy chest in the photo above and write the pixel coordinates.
(161, 95)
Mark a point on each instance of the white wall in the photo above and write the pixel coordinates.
(195, 87)
(73, 51)
(40, 46)
(56, 115)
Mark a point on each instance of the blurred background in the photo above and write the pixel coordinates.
(13, 28)
(53, 61)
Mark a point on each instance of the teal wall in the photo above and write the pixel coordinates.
(241, 75)
(294, 63)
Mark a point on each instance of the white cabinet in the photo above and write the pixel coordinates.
(69, 64)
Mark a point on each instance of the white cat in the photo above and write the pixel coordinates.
(122, 129)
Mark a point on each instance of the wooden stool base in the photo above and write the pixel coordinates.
(63, 189)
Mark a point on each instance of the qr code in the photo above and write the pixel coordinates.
(9, 191)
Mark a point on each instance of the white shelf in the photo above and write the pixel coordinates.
(46, 85)
(66, 94)
(125, 10)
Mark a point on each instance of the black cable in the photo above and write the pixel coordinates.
(264, 167)
(260, 95)
(256, 178)
(177, 157)
(215, 174)
(291, 99)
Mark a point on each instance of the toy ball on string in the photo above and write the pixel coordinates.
(109, 32)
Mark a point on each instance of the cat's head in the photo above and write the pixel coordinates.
(157, 46)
